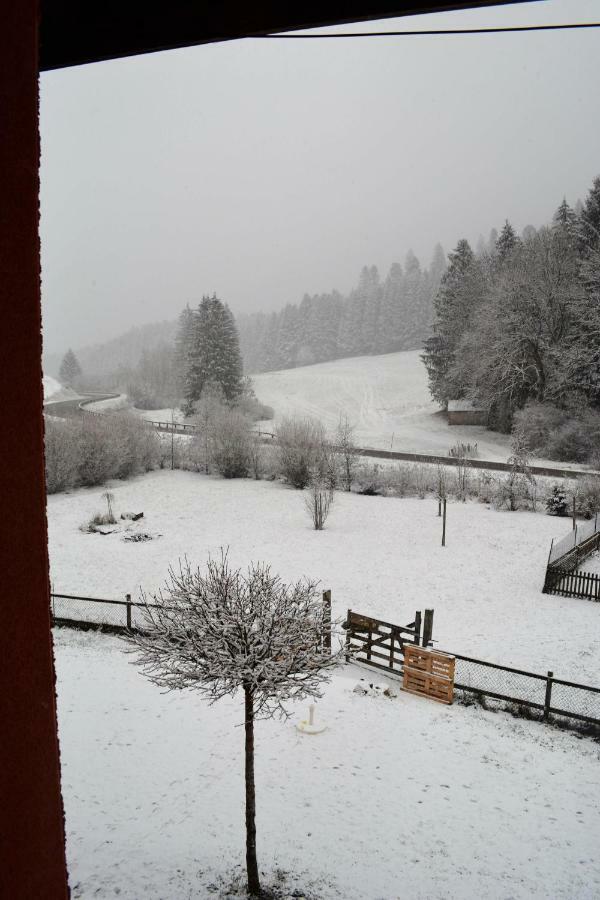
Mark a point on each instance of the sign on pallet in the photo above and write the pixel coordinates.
(428, 673)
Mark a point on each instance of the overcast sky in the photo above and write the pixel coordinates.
(262, 170)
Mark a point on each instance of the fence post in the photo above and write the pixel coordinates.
(348, 635)
(444, 525)
(548, 698)
(128, 610)
(327, 620)
(427, 628)
(417, 637)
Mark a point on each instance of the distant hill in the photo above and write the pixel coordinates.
(99, 360)
(386, 399)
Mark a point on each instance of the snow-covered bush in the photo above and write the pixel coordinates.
(570, 435)
(62, 454)
(557, 503)
(95, 448)
(318, 500)
(368, 478)
(576, 439)
(518, 488)
(231, 445)
(302, 450)
(587, 496)
(99, 451)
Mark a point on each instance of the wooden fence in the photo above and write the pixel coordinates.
(569, 583)
(381, 644)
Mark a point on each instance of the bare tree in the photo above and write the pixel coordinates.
(346, 450)
(222, 631)
(318, 500)
(519, 484)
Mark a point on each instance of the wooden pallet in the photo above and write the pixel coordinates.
(428, 673)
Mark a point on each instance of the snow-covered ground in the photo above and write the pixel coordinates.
(385, 397)
(397, 798)
(54, 390)
(378, 555)
(161, 415)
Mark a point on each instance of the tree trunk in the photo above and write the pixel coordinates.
(251, 863)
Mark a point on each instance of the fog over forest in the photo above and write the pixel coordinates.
(265, 170)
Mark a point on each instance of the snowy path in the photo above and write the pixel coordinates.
(398, 798)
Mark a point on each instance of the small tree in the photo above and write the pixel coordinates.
(222, 631)
(318, 500)
(346, 449)
(519, 484)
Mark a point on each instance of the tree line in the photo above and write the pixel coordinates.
(517, 325)
(376, 317)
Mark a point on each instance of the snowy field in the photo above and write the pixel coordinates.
(380, 556)
(398, 798)
(385, 397)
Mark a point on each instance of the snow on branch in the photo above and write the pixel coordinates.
(222, 630)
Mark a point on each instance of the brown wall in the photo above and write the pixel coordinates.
(467, 417)
(32, 852)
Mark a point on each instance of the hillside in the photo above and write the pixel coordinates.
(385, 397)
(100, 360)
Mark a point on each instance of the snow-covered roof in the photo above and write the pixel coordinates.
(463, 406)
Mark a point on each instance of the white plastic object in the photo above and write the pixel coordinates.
(307, 726)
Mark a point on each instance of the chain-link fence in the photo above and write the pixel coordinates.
(549, 695)
(583, 533)
(94, 612)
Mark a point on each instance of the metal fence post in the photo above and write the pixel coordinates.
(548, 697)
(128, 610)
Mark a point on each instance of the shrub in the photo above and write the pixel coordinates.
(318, 500)
(62, 454)
(587, 496)
(557, 503)
(302, 451)
(231, 446)
(561, 434)
(96, 448)
(538, 421)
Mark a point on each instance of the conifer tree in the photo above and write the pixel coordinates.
(455, 303)
(565, 218)
(215, 352)
(183, 344)
(590, 218)
(69, 369)
(506, 242)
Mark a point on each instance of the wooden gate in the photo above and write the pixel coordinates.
(381, 644)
